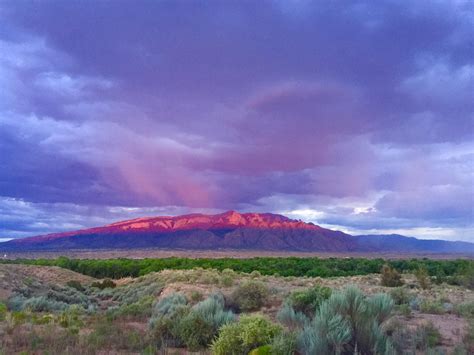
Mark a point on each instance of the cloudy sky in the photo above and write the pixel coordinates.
(354, 115)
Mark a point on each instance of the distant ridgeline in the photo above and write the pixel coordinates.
(229, 231)
(442, 270)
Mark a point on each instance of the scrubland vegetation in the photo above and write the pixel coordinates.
(403, 307)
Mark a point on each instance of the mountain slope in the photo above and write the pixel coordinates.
(230, 230)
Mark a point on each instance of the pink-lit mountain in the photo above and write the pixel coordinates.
(229, 230)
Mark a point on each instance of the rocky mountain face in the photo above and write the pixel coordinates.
(229, 230)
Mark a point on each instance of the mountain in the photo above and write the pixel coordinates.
(229, 230)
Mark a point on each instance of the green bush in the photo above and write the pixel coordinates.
(350, 321)
(290, 318)
(166, 315)
(250, 332)
(284, 344)
(250, 296)
(390, 277)
(195, 332)
(3, 311)
(75, 284)
(400, 295)
(35, 304)
(465, 309)
(431, 307)
(308, 301)
(423, 278)
(466, 277)
(201, 325)
(427, 336)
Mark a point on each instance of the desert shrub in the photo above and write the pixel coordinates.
(227, 280)
(400, 295)
(255, 274)
(36, 304)
(135, 291)
(196, 296)
(137, 310)
(348, 322)
(423, 278)
(195, 332)
(107, 283)
(239, 338)
(227, 277)
(431, 307)
(70, 296)
(465, 309)
(250, 296)
(210, 277)
(467, 277)
(3, 311)
(390, 277)
(164, 321)
(308, 301)
(405, 310)
(427, 336)
(290, 318)
(75, 284)
(198, 328)
(284, 343)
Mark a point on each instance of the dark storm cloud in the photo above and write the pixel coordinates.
(273, 105)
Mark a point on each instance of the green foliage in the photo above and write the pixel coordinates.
(400, 295)
(198, 328)
(467, 276)
(107, 283)
(290, 318)
(195, 332)
(76, 285)
(137, 310)
(284, 344)
(308, 301)
(250, 296)
(423, 278)
(174, 323)
(36, 304)
(348, 322)
(455, 271)
(164, 322)
(250, 332)
(196, 296)
(465, 309)
(427, 336)
(431, 307)
(390, 277)
(3, 311)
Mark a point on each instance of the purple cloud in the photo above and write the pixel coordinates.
(359, 112)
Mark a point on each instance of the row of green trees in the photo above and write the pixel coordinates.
(443, 270)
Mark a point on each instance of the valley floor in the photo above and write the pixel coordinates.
(240, 254)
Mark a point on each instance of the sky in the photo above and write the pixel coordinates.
(356, 115)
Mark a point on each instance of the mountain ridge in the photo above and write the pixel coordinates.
(228, 230)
